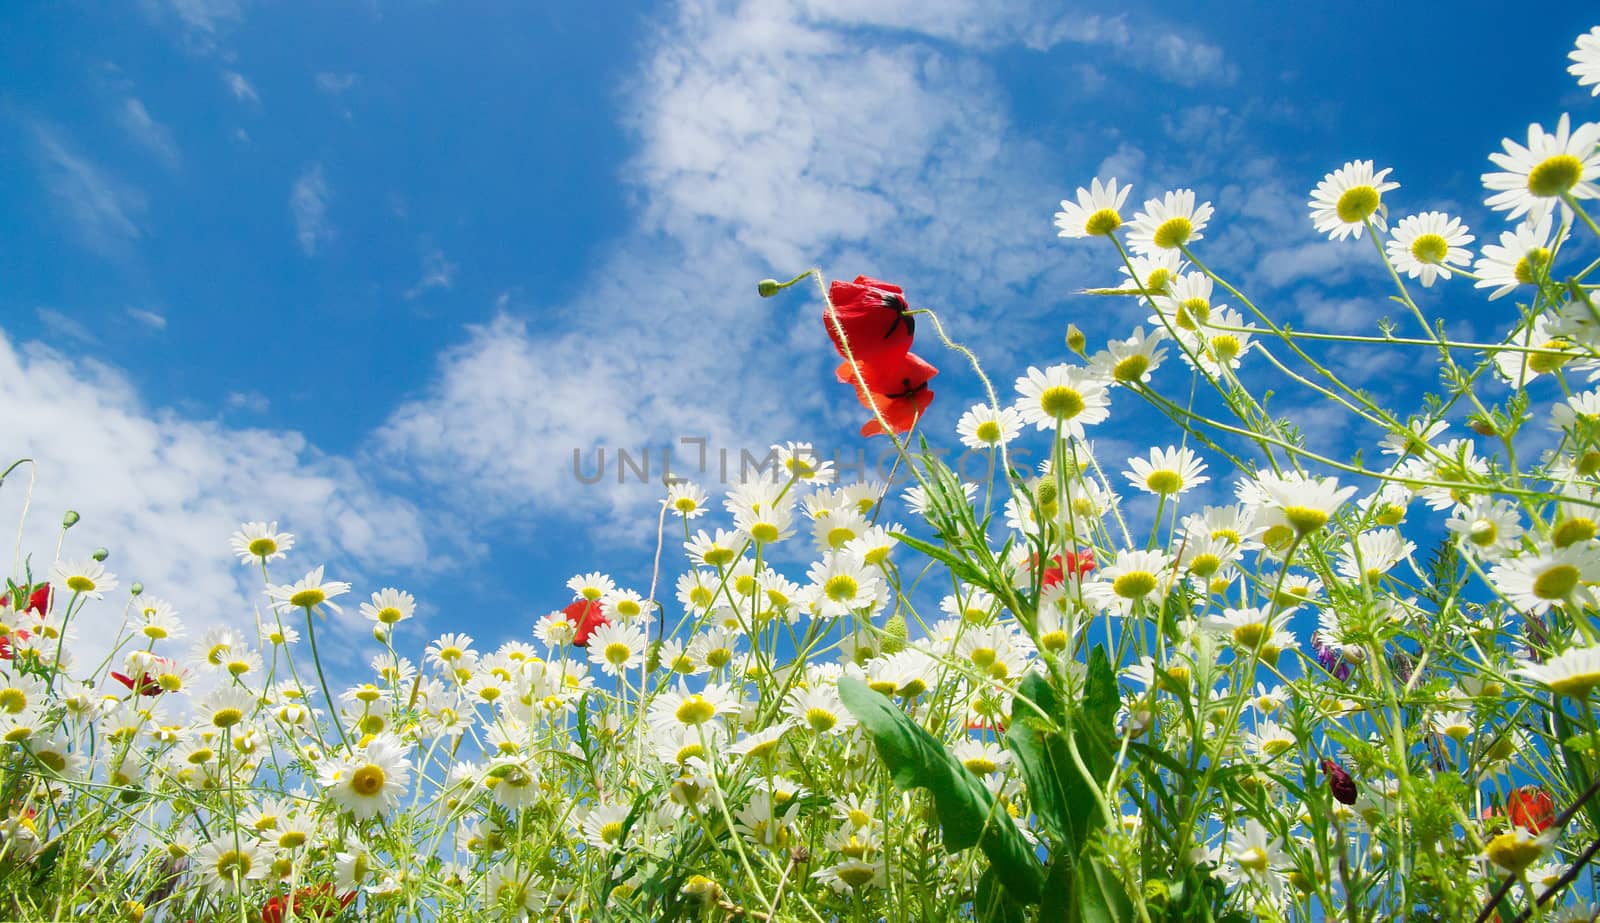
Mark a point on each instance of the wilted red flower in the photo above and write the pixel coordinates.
(313, 902)
(887, 374)
(899, 408)
(1339, 782)
(875, 317)
(587, 615)
(1531, 808)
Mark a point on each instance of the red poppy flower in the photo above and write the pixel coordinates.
(1339, 782)
(899, 408)
(313, 902)
(1531, 808)
(874, 315)
(588, 616)
(38, 600)
(887, 374)
(146, 683)
(1080, 563)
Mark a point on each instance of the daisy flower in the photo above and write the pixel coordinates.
(1375, 554)
(800, 460)
(87, 577)
(1535, 582)
(1168, 471)
(1573, 672)
(712, 551)
(1245, 628)
(389, 607)
(1152, 272)
(309, 592)
(819, 709)
(1134, 577)
(1554, 164)
(1307, 503)
(1491, 526)
(679, 709)
(229, 865)
(686, 499)
(844, 584)
(1521, 258)
(1062, 395)
(260, 541)
(1585, 60)
(1131, 360)
(369, 782)
(1097, 213)
(1169, 222)
(985, 427)
(1349, 197)
(591, 586)
(617, 647)
(1429, 245)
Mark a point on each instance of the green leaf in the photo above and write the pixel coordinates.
(993, 903)
(960, 567)
(1578, 776)
(1094, 732)
(968, 815)
(1041, 752)
(1101, 898)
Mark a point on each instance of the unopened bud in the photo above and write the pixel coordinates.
(768, 287)
(1481, 426)
(1075, 339)
(894, 635)
(70, 519)
(100, 554)
(136, 589)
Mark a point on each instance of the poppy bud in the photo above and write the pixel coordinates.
(1339, 782)
(70, 519)
(136, 589)
(768, 287)
(100, 554)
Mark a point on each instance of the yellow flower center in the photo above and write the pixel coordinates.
(1165, 481)
(1103, 222)
(1134, 584)
(1253, 859)
(368, 780)
(1158, 280)
(78, 583)
(1556, 582)
(841, 588)
(987, 431)
(764, 532)
(1357, 204)
(617, 653)
(980, 765)
(1249, 635)
(685, 505)
(307, 598)
(1131, 369)
(1430, 248)
(1555, 175)
(1192, 312)
(1204, 565)
(718, 556)
(1571, 531)
(1533, 266)
(612, 832)
(13, 700)
(389, 615)
(263, 547)
(1305, 519)
(1225, 347)
(821, 720)
(695, 710)
(227, 717)
(1512, 852)
(1172, 232)
(1061, 402)
(233, 865)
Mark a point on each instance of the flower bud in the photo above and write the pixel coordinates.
(136, 589)
(768, 287)
(100, 554)
(70, 519)
(1075, 339)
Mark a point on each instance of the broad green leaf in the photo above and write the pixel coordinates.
(1041, 752)
(968, 815)
(1094, 732)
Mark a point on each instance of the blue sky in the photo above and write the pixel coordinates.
(375, 269)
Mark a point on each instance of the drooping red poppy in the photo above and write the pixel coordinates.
(900, 409)
(887, 374)
(588, 616)
(875, 317)
(146, 684)
(1339, 782)
(313, 902)
(1531, 808)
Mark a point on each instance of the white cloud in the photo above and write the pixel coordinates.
(308, 201)
(163, 492)
(437, 272)
(251, 401)
(99, 207)
(61, 327)
(335, 83)
(240, 87)
(152, 319)
(148, 133)
(197, 23)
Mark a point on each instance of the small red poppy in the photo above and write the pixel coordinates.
(146, 683)
(313, 902)
(888, 374)
(874, 315)
(1080, 563)
(1531, 808)
(588, 616)
(38, 604)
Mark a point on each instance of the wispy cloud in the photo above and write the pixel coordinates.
(335, 83)
(149, 134)
(152, 319)
(60, 327)
(99, 208)
(197, 24)
(308, 202)
(437, 272)
(240, 87)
